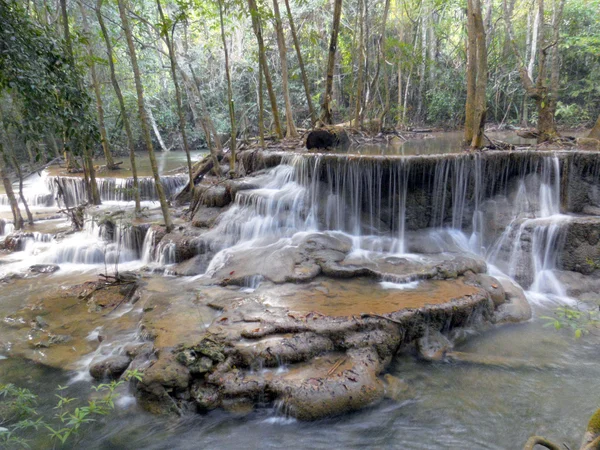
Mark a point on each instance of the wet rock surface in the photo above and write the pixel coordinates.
(316, 348)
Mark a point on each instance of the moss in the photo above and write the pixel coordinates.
(594, 423)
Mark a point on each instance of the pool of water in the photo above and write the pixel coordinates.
(456, 406)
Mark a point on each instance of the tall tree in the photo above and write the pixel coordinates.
(88, 166)
(544, 92)
(257, 27)
(144, 115)
(232, 144)
(167, 31)
(477, 74)
(326, 111)
(290, 130)
(311, 109)
(123, 110)
(110, 163)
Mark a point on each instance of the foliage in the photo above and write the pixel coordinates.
(47, 93)
(580, 321)
(19, 416)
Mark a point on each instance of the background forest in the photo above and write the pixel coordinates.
(401, 62)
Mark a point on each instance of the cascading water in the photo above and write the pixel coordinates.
(73, 192)
(379, 201)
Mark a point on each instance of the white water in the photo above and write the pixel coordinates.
(360, 198)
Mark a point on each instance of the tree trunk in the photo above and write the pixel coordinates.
(326, 111)
(261, 108)
(361, 62)
(94, 194)
(143, 115)
(14, 204)
(180, 113)
(124, 115)
(87, 155)
(110, 163)
(471, 74)
(17, 168)
(311, 109)
(290, 131)
(540, 91)
(380, 54)
(595, 133)
(482, 76)
(256, 25)
(232, 145)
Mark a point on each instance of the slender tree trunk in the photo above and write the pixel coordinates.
(380, 53)
(17, 168)
(110, 163)
(54, 145)
(256, 25)
(261, 108)
(471, 74)
(290, 131)
(143, 115)
(124, 115)
(423, 64)
(90, 173)
(10, 193)
(311, 109)
(361, 62)
(232, 145)
(539, 91)
(595, 133)
(180, 113)
(87, 155)
(326, 110)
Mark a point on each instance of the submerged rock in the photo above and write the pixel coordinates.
(44, 268)
(112, 367)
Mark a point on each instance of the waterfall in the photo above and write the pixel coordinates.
(114, 189)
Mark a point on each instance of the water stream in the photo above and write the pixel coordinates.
(511, 209)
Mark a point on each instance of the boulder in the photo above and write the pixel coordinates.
(517, 308)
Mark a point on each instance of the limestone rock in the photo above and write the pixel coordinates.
(111, 367)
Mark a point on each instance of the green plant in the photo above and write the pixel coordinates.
(580, 321)
(18, 412)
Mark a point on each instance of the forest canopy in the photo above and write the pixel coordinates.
(396, 64)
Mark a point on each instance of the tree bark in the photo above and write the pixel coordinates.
(10, 193)
(124, 115)
(326, 111)
(361, 62)
(256, 25)
(595, 133)
(232, 145)
(482, 76)
(471, 74)
(180, 113)
(545, 94)
(110, 163)
(290, 131)
(17, 168)
(261, 108)
(311, 109)
(143, 115)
